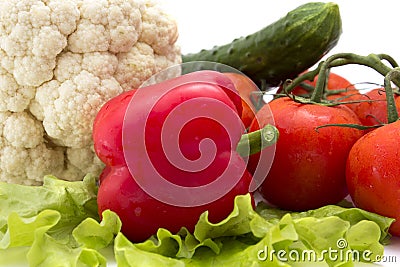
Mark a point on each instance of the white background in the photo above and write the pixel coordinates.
(368, 27)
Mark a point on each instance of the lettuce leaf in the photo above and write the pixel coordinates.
(74, 201)
(57, 225)
(43, 218)
(350, 214)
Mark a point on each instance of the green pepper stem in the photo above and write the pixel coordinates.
(393, 115)
(253, 142)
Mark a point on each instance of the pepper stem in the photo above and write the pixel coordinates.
(253, 142)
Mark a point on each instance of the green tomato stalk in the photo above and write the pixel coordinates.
(374, 61)
(392, 75)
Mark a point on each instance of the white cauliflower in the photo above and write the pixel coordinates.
(60, 61)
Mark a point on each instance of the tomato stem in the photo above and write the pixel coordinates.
(289, 85)
(323, 75)
(374, 61)
(393, 115)
(253, 142)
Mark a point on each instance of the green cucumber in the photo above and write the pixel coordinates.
(283, 49)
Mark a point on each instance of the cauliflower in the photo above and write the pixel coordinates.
(60, 61)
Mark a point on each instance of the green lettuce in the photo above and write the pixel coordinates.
(57, 225)
(43, 218)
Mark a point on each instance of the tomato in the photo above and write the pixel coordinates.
(248, 91)
(373, 173)
(373, 112)
(308, 170)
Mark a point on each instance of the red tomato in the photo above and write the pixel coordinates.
(374, 112)
(308, 170)
(373, 173)
(246, 88)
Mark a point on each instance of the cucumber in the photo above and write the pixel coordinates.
(283, 49)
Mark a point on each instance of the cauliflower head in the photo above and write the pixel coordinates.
(60, 61)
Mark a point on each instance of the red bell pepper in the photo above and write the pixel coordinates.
(170, 151)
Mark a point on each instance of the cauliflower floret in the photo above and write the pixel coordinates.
(3, 117)
(113, 25)
(14, 97)
(37, 162)
(31, 40)
(164, 61)
(83, 160)
(70, 107)
(140, 58)
(6, 64)
(64, 15)
(25, 156)
(158, 31)
(22, 130)
(60, 61)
